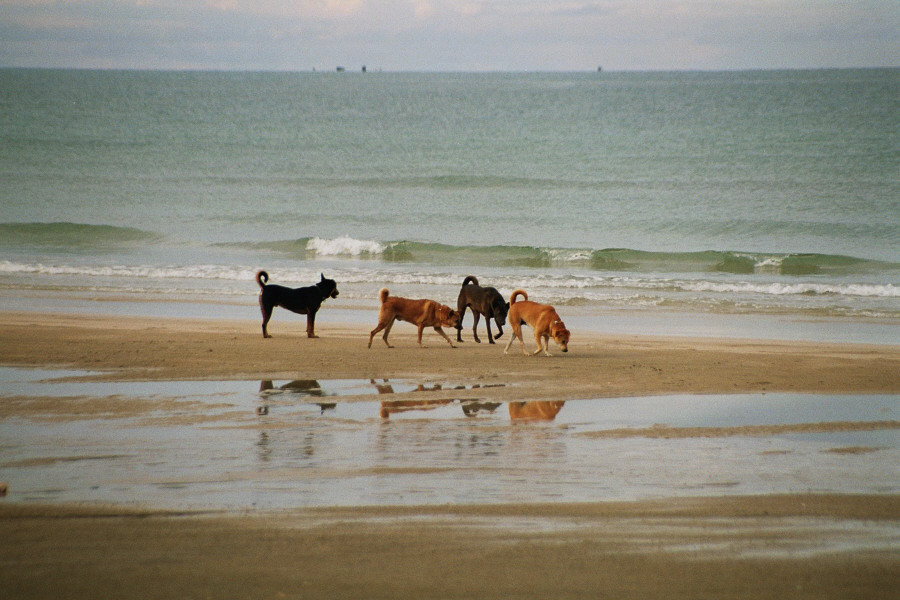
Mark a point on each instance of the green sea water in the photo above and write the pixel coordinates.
(762, 190)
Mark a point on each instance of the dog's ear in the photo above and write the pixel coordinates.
(323, 276)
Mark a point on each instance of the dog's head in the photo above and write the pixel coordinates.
(328, 287)
(501, 309)
(447, 316)
(560, 334)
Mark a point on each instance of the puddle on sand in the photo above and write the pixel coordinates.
(283, 444)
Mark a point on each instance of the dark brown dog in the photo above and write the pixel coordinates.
(421, 313)
(304, 301)
(542, 318)
(485, 301)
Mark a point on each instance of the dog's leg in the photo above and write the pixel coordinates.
(499, 330)
(387, 332)
(461, 306)
(516, 335)
(441, 331)
(266, 315)
(311, 324)
(487, 322)
(543, 344)
(476, 316)
(381, 325)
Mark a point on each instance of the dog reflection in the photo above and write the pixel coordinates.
(306, 387)
(385, 387)
(391, 407)
(471, 408)
(542, 410)
(536, 410)
(301, 387)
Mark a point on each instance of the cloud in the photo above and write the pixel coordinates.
(449, 34)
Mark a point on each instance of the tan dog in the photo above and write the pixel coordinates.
(535, 410)
(542, 318)
(421, 313)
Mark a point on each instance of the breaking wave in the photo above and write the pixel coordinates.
(608, 259)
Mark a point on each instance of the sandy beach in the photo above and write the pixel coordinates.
(780, 545)
(596, 366)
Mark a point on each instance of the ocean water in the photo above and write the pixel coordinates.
(642, 194)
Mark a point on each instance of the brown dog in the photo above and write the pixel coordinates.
(421, 313)
(542, 318)
(535, 410)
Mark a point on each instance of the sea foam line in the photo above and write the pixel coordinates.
(543, 280)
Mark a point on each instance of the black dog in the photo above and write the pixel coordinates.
(304, 301)
(485, 301)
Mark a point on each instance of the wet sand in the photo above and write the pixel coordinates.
(754, 547)
(799, 546)
(596, 366)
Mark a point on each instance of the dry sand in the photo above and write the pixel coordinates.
(747, 547)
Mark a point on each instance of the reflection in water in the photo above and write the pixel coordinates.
(390, 407)
(536, 410)
(385, 387)
(300, 387)
(484, 453)
(472, 407)
(305, 387)
(523, 452)
(265, 449)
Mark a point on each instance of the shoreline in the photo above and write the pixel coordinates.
(783, 325)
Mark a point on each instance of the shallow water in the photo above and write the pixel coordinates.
(239, 445)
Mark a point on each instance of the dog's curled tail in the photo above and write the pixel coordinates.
(523, 293)
(470, 279)
(262, 278)
(383, 295)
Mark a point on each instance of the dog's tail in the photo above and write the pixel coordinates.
(383, 295)
(262, 278)
(512, 299)
(470, 279)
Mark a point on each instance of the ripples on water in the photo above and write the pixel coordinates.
(283, 444)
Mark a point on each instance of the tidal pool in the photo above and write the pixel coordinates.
(237, 445)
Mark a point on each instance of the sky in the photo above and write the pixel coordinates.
(450, 35)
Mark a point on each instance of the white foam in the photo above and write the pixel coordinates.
(344, 246)
(564, 284)
(794, 289)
